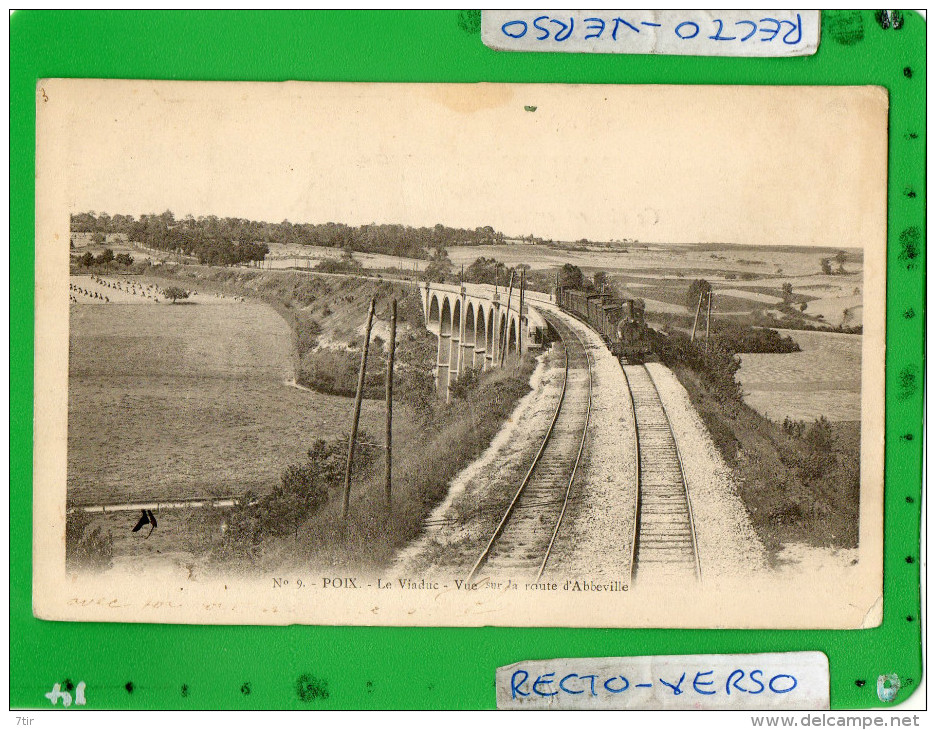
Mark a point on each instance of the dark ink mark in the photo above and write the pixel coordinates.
(310, 688)
(907, 437)
(909, 560)
(129, 687)
(469, 20)
(845, 26)
(909, 618)
(912, 135)
(67, 684)
(909, 192)
(860, 683)
(529, 108)
(185, 690)
(889, 19)
(147, 518)
(245, 688)
(430, 687)
(908, 381)
(909, 313)
(908, 680)
(370, 688)
(909, 246)
(909, 500)
(908, 72)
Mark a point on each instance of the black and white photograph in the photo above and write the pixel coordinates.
(460, 354)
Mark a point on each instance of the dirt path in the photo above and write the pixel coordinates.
(456, 529)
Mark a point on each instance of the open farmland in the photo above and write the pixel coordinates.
(824, 379)
(174, 401)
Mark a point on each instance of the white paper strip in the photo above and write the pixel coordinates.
(759, 33)
(787, 681)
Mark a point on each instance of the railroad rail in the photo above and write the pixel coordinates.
(536, 511)
(664, 537)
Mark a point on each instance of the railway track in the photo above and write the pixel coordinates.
(664, 540)
(523, 540)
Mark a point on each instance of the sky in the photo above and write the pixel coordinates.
(680, 164)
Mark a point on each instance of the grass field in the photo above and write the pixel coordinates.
(174, 401)
(183, 401)
(824, 379)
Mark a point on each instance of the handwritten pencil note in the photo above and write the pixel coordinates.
(758, 33)
(787, 681)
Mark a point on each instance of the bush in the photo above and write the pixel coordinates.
(338, 266)
(754, 339)
(717, 363)
(302, 491)
(93, 551)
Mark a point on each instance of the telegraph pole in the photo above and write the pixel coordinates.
(506, 342)
(695, 322)
(389, 463)
(357, 413)
(520, 333)
(708, 319)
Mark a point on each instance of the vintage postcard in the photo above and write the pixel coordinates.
(460, 354)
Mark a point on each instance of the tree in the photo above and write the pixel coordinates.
(697, 288)
(107, 255)
(600, 279)
(826, 266)
(97, 238)
(87, 259)
(787, 292)
(571, 277)
(174, 293)
(124, 259)
(440, 266)
(802, 306)
(840, 258)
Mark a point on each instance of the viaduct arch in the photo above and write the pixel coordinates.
(476, 329)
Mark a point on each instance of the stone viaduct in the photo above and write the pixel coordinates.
(478, 327)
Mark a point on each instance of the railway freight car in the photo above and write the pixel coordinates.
(619, 321)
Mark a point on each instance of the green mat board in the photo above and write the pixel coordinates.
(301, 667)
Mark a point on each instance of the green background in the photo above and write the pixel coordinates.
(156, 666)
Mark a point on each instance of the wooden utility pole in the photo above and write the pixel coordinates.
(695, 322)
(357, 413)
(506, 343)
(520, 333)
(708, 319)
(389, 463)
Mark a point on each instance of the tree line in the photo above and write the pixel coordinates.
(233, 240)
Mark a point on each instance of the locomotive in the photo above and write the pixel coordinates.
(619, 321)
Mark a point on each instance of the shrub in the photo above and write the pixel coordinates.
(302, 491)
(338, 266)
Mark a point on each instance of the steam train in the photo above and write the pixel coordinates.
(619, 321)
